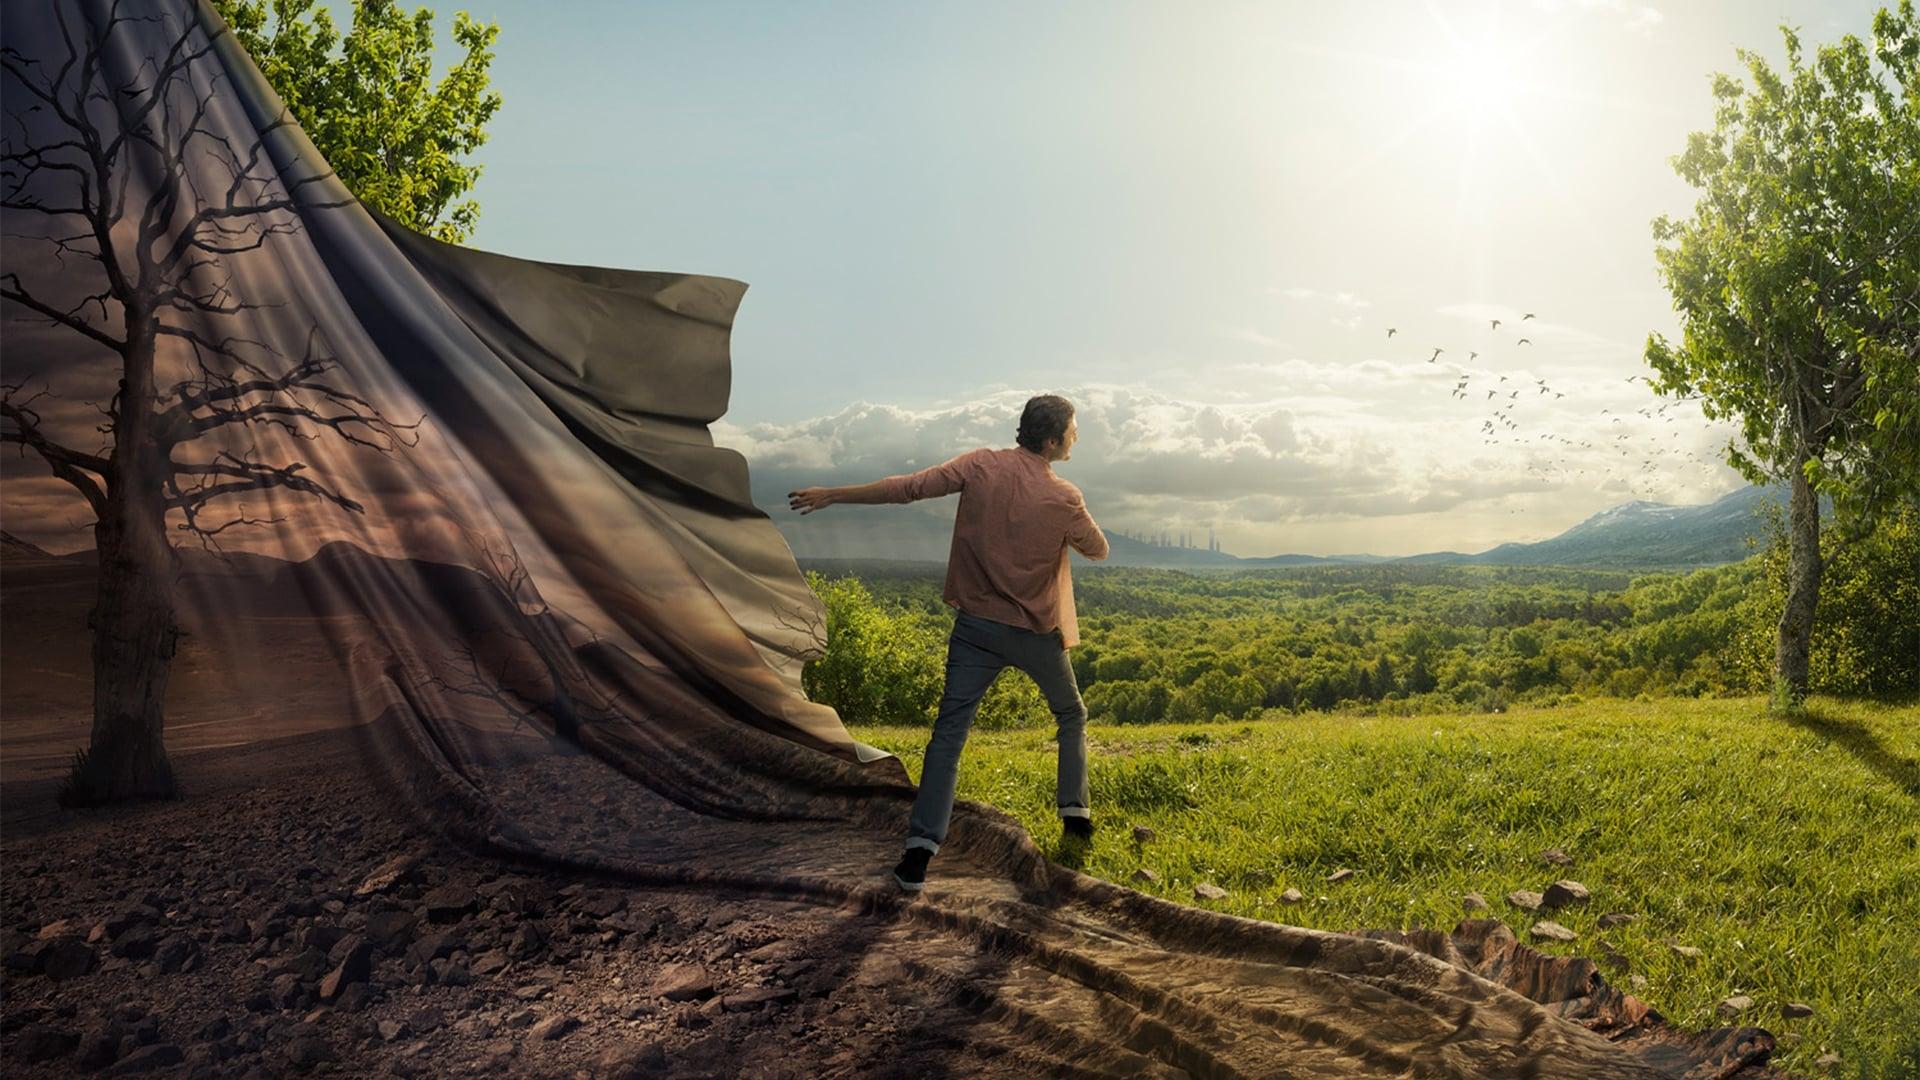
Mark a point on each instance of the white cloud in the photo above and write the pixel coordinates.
(1301, 455)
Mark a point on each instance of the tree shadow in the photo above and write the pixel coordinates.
(1902, 772)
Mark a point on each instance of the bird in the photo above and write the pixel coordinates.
(1527, 316)
(1392, 330)
(1489, 393)
(1496, 324)
(1473, 356)
(1435, 356)
(1539, 382)
(1515, 394)
(1558, 394)
(1503, 378)
(1524, 341)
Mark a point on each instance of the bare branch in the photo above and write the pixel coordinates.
(65, 462)
(259, 475)
(19, 295)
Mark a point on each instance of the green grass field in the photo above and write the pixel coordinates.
(1786, 849)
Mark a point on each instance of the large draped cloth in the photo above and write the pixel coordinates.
(568, 634)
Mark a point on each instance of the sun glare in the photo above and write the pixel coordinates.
(1479, 78)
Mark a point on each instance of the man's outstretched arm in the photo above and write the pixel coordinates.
(943, 479)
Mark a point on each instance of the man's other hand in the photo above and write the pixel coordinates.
(809, 499)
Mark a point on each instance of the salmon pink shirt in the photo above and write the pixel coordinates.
(1010, 537)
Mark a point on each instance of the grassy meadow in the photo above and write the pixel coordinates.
(1785, 849)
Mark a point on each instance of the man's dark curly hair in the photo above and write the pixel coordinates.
(1045, 417)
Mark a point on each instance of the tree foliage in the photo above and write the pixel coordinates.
(368, 101)
(1798, 277)
(1173, 646)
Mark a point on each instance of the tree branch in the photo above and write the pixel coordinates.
(19, 295)
(65, 462)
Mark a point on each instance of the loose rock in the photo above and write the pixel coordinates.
(449, 903)
(755, 997)
(149, 1058)
(682, 982)
(307, 1051)
(1563, 893)
(553, 1027)
(66, 958)
(356, 964)
(43, 1042)
(387, 874)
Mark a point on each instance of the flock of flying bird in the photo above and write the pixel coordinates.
(1624, 443)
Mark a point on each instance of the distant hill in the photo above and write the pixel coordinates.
(1636, 534)
(1649, 534)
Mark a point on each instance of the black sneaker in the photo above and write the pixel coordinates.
(911, 874)
(1080, 828)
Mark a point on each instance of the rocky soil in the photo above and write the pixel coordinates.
(278, 920)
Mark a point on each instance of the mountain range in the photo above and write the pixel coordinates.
(1637, 534)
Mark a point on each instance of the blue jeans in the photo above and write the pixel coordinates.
(976, 651)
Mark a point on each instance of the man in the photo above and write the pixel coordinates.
(1009, 583)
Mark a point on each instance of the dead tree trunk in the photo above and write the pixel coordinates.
(1794, 642)
(134, 620)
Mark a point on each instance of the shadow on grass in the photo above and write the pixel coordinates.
(1071, 852)
(1903, 772)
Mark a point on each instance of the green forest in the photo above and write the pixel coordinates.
(1182, 646)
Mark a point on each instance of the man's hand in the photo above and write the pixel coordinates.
(807, 500)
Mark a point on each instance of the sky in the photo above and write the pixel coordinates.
(1197, 221)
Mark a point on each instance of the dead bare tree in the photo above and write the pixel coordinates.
(551, 682)
(804, 620)
(113, 166)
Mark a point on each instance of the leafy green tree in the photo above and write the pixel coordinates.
(1867, 639)
(369, 103)
(1798, 285)
(881, 666)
